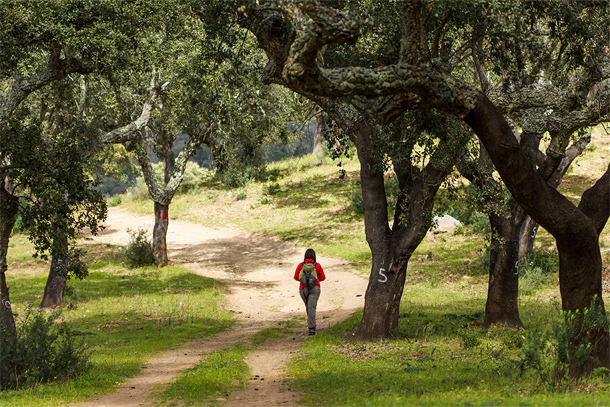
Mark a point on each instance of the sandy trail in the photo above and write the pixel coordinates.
(258, 271)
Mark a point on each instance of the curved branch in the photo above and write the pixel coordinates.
(133, 130)
(57, 68)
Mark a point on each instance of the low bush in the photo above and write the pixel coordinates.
(139, 252)
(271, 188)
(115, 200)
(546, 260)
(550, 350)
(41, 351)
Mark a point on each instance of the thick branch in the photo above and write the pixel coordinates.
(595, 202)
(57, 68)
(133, 131)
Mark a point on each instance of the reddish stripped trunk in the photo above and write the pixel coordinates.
(160, 234)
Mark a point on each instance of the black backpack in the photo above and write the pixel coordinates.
(309, 276)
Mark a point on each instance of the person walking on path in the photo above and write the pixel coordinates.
(309, 295)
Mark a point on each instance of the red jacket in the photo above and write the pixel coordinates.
(321, 276)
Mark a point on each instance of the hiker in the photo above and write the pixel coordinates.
(310, 292)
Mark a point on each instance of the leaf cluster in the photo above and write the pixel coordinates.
(43, 152)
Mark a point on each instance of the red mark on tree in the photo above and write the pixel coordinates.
(163, 215)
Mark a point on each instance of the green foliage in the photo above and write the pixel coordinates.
(356, 202)
(538, 271)
(551, 350)
(115, 200)
(42, 351)
(546, 260)
(271, 188)
(457, 201)
(236, 176)
(18, 227)
(470, 339)
(531, 279)
(194, 177)
(49, 173)
(139, 252)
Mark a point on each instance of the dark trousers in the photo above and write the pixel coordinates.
(311, 302)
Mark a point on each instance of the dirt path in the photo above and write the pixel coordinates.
(258, 271)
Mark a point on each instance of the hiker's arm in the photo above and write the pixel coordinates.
(320, 271)
(296, 273)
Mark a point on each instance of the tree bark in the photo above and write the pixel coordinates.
(580, 263)
(56, 282)
(9, 205)
(160, 233)
(502, 306)
(318, 137)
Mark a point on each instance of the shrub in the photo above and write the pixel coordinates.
(469, 338)
(271, 188)
(546, 260)
(139, 252)
(139, 190)
(273, 174)
(537, 271)
(194, 177)
(531, 279)
(18, 226)
(549, 351)
(115, 200)
(41, 351)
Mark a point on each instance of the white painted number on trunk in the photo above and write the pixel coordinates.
(385, 278)
(534, 232)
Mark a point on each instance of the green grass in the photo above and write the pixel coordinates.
(125, 316)
(440, 358)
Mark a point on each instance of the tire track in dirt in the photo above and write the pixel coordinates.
(258, 272)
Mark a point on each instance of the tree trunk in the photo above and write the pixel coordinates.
(160, 233)
(54, 289)
(383, 294)
(388, 272)
(502, 306)
(9, 206)
(392, 248)
(527, 237)
(56, 282)
(318, 137)
(580, 263)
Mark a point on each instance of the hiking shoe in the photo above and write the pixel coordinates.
(312, 331)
